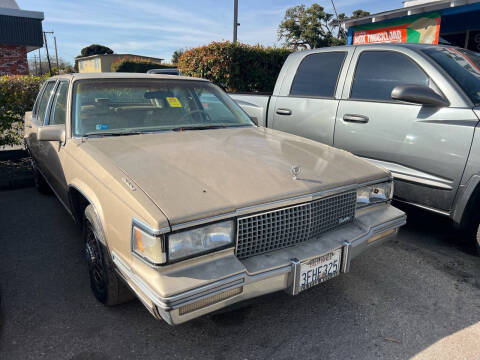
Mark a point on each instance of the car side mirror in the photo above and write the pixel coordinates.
(419, 94)
(254, 119)
(51, 133)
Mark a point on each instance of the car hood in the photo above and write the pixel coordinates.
(195, 174)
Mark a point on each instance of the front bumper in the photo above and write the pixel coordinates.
(227, 280)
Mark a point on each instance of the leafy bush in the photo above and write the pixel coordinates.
(17, 95)
(137, 65)
(234, 66)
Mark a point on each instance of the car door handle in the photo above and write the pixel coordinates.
(362, 119)
(284, 112)
(29, 126)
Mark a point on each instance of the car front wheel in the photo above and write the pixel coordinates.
(477, 239)
(105, 283)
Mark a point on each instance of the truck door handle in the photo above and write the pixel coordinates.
(362, 119)
(284, 112)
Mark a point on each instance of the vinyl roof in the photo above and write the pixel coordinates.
(108, 75)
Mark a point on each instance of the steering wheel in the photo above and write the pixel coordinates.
(194, 112)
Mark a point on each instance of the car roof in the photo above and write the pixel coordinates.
(83, 76)
(415, 47)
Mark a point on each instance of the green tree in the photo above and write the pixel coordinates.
(313, 27)
(95, 49)
(176, 55)
(359, 13)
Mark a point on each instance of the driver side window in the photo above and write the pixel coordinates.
(379, 72)
(59, 107)
(42, 105)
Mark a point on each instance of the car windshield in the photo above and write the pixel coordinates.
(130, 106)
(462, 65)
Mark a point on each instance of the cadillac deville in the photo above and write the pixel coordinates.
(187, 204)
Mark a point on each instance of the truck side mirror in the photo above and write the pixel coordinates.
(51, 133)
(419, 94)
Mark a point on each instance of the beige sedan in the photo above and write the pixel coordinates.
(189, 205)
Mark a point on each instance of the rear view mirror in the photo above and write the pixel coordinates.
(419, 94)
(51, 133)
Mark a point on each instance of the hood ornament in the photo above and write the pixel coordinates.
(296, 170)
(129, 183)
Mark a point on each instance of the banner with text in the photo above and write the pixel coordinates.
(423, 29)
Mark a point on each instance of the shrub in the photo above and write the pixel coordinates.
(17, 95)
(234, 66)
(137, 65)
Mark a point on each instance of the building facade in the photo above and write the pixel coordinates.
(454, 22)
(20, 32)
(103, 63)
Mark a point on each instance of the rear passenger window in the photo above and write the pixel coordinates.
(317, 75)
(379, 72)
(42, 105)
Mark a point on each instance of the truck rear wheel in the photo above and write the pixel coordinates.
(105, 283)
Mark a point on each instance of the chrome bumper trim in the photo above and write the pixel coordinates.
(351, 249)
(173, 302)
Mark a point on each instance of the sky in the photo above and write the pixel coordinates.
(156, 28)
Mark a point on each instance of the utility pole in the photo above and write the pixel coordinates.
(335, 9)
(40, 62)
(35, 64)
(46, 49)
(56, 53)
(235, 20)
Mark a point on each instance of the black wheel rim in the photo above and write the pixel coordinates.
(94, 260)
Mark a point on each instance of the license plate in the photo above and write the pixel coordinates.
(320, 269)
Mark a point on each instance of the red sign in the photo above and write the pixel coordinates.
(376, 36)
(420, 29)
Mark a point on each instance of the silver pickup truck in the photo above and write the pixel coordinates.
(413, 109)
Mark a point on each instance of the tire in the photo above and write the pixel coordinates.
(477, 239)
(40, 183)
(105, 283)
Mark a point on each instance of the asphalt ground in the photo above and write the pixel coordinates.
(398, 301)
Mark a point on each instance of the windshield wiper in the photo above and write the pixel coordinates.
(92, 134)
(205, 127)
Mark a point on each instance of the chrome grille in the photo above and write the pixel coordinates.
(281, 228)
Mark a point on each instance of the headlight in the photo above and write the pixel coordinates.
(375, 193)
(200, 240)
(149, 247)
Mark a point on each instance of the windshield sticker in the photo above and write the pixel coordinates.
(101, 127)
(174, 102)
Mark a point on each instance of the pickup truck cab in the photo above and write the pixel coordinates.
(410, 108)
(188, 204)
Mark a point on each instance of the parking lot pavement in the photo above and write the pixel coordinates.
(397, 302)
